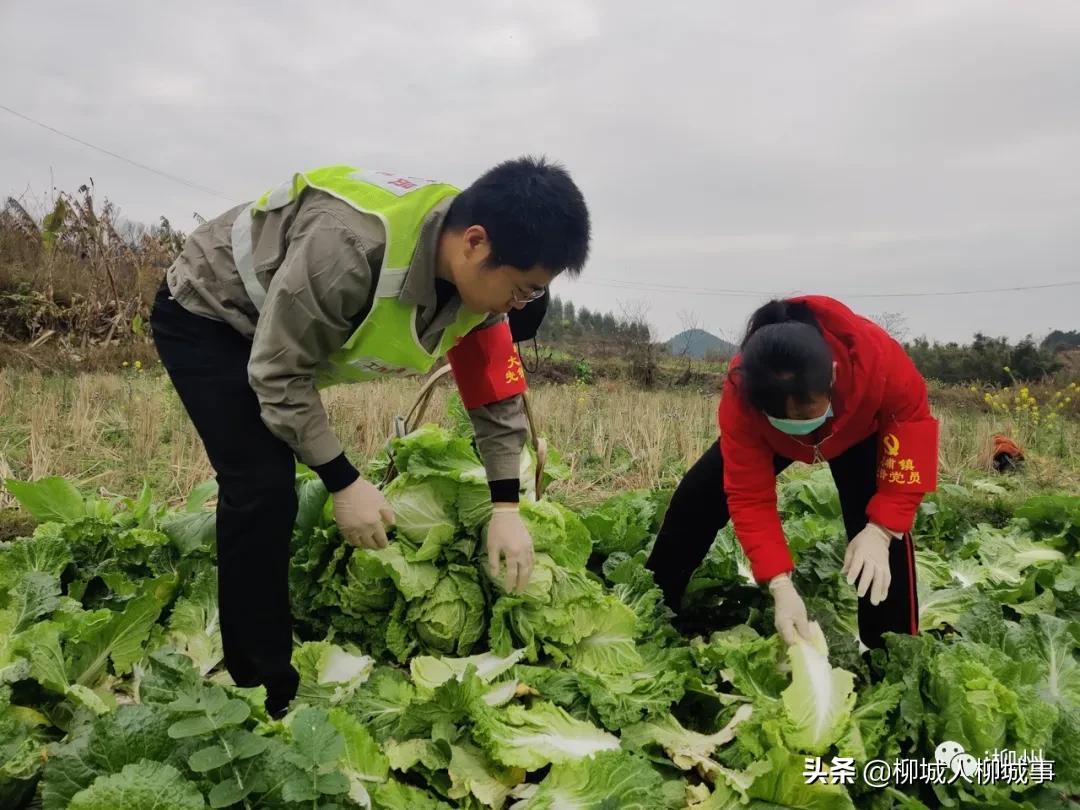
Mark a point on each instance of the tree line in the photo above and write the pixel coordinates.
(985, 359)
(564, 321)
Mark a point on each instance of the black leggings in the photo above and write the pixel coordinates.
(256, 473)
(699, 510)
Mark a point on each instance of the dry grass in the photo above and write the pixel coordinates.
(612, 437)
(111, 432)
(73, 273)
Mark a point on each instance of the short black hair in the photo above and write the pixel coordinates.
(533, 213)
(783, 355)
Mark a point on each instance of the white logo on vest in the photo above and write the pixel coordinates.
(396, 184)
(374, 365)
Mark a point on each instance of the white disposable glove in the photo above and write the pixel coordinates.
(867, 559)
(362, 514)
(791, 619)
(508, 541)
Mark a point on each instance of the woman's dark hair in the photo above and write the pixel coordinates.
(783, 355)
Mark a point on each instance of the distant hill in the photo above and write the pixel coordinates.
(697, 343)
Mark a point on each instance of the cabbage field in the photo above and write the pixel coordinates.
(424, 685)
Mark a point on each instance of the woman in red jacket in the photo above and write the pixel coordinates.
(813, 382)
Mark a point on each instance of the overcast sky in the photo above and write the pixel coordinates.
(845, 148)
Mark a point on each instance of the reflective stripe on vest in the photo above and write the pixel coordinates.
(385, 342)
(244, 258)
(390, 282)
(339, 181)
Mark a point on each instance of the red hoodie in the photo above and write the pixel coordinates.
(878, 391)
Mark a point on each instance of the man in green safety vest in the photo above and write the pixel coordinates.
(341, 275)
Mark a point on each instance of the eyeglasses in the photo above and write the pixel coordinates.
(534, 295)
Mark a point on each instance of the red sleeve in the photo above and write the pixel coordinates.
(750, 487)
(908, 446)
(486, 366)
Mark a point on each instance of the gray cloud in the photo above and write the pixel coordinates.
(851, 148)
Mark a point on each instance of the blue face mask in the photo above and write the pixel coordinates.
(799, 427)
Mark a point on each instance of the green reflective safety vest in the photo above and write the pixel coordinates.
(386, 342)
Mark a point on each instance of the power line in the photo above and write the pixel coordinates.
(622, 284)
(651, 287)
(597, 281)
(135, 163)
(968, 292)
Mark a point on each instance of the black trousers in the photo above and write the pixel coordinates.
(207, 363)
(699, 510)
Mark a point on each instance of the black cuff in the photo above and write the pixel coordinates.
(505, 490)
(337, 473)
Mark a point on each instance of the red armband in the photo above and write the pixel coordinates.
(908, 456)
(486, 366)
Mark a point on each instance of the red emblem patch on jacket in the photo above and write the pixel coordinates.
(908, 456)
